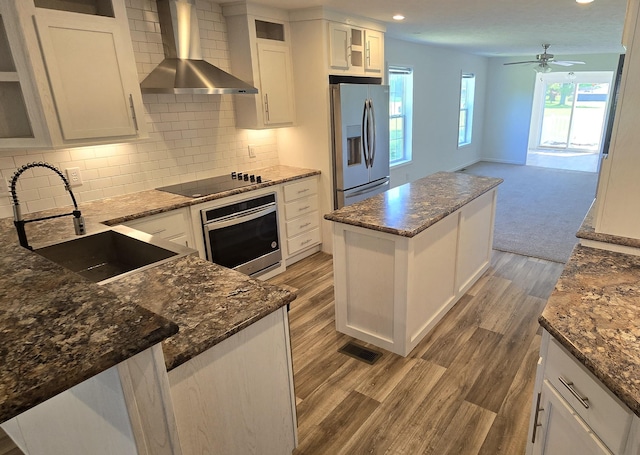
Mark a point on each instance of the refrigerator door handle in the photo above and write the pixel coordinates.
(365, 144)
(370, 188)
(372, 145)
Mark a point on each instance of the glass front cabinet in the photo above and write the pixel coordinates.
(67, 74)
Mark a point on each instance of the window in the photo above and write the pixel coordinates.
(400, 114)
(465, 124)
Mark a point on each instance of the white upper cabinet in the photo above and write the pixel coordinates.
(355, 50)
(259, 44)
(77, 74)
(339, 46)
(276, 81)
(22, 123)
(374, 51)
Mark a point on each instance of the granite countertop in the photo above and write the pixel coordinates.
(59, 329)
(594, 312)
(207, 301)
(120, 209)
(587, 231)
(411, 208)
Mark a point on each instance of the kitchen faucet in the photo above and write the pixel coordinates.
(78, 220)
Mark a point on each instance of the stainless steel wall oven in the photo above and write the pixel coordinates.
(244, 235)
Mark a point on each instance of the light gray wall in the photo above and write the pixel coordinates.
(509, 99)
(436, 92)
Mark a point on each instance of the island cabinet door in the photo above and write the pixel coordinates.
(237, 397)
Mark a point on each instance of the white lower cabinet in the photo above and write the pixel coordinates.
(174, 226)
(301, 216)
(238, 396)
(561, 430)
(573, 412)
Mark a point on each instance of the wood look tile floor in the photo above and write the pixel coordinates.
(465, 389)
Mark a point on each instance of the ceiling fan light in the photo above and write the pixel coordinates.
(542, 69)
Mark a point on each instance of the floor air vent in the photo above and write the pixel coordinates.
(361, 353)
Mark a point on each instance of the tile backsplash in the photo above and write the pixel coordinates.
(190, 136)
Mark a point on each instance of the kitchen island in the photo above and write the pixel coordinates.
(193, 356)
(403, 258)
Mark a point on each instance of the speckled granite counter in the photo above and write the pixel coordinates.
(587, 231)
(594, 312)
(208, 302)
(409, 209)
(58, 329)
(120, 209)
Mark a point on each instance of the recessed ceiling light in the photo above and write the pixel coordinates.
(400, 17)
(584, 1)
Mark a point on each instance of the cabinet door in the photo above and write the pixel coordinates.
(276, 83)
(84, 58)
(562, 431)
(339, 42)
(22, 124)
(374, 43)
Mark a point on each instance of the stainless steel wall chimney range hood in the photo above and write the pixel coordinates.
(183, 71)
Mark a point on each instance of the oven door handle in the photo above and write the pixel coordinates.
(238, 218)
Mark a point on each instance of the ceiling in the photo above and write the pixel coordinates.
(492, 27)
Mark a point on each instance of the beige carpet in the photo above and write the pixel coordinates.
(539, 209)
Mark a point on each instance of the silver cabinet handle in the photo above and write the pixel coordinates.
(535, 420)
(574, 392)
(133, 112)
(306, 207)
(266, 106)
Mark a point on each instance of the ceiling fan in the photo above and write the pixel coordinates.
(544, 60)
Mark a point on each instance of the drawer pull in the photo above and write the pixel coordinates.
(305, 242)
(574, 392)
(159, 231)
(303, 190)
(535, 420)
(302, 226)
(306, 207)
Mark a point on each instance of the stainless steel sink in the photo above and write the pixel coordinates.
(109, 255)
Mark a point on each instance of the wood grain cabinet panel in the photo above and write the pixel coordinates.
(237, 397)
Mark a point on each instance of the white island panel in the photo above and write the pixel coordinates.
(393, 285)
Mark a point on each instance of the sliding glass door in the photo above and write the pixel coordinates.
(573, 115)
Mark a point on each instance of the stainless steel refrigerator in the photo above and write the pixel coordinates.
(360, 115)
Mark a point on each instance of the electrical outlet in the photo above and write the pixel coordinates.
(74, 176)
(252, 151)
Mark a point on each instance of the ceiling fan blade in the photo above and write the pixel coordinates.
(519, 63)
(566, 63)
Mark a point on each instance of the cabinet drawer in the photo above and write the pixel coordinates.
(303, 241)
(300, 207)
(302, 224)
(294, 191)
(164, 225)
(607, 416)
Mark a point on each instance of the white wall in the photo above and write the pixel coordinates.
(509, 100)
(191, 136)
(436, 92)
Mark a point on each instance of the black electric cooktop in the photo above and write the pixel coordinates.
(213, 185)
